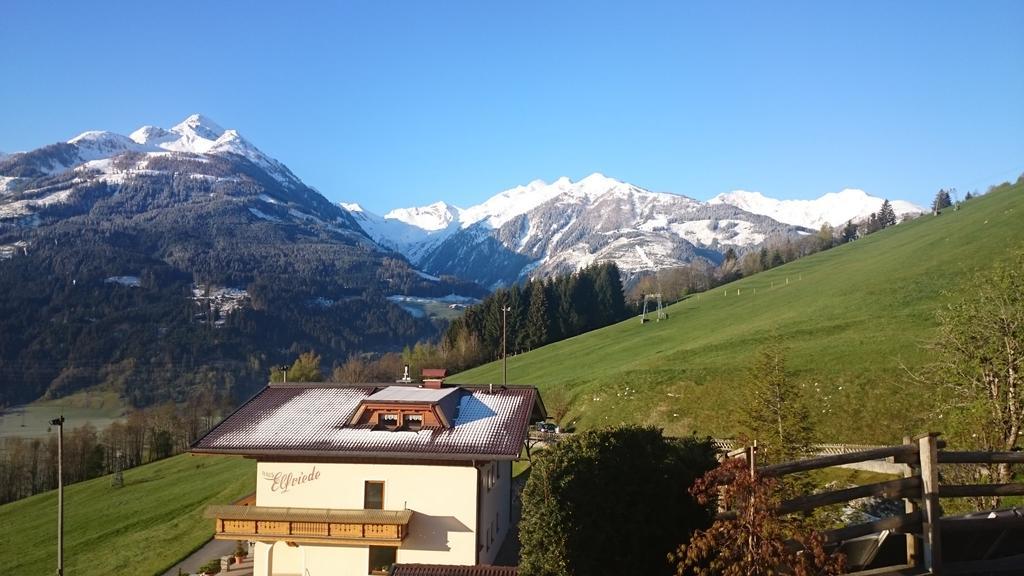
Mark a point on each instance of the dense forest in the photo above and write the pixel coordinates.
(541, 311)
(527, 315)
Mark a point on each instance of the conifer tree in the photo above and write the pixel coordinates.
(942, 200)
(611, 302)
(886, 215)
(776, 412)
(537, 318)
(849, 231)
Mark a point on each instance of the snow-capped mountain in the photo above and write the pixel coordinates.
(834, 208)
(209, 151)
(186, 242)
(542, 229)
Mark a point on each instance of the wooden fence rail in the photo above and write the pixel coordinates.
(923, 522)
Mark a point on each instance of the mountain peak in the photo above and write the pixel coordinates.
(149, 135)
(199, 125)
(436, 216)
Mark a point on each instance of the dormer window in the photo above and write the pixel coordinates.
(413, 422)
(406, 408)
(390, 421)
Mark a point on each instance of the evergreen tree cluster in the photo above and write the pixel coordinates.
(884, 218)
(542, 311)
(942, 200)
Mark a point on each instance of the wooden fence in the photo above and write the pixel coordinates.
(922, 521)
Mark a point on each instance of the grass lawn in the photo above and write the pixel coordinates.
(142, 528)
(853, 318)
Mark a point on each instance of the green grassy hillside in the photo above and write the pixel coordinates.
(142, 528)
(852, 318)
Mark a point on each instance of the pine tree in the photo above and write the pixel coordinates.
(886, 215)
(776, 412)
(611, 302)
(520, 304)
(585, 313)
(849, 231)
(538, 317)
(942, 200)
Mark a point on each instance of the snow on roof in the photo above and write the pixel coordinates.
(409, 394)
(311, 420)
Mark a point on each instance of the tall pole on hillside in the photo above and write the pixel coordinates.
(59, 423)
(504, 337)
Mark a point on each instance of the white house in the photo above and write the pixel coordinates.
(353, 479)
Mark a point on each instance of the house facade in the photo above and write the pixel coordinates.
(354, 479)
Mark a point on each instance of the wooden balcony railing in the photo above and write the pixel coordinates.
(310, 525)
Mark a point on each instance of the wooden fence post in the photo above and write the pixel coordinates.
(909, 506)
(931, 533)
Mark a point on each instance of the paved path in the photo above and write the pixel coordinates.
(212, 549)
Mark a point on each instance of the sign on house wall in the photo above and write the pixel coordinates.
(284, 481)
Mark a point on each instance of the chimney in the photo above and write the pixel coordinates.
(434, 377)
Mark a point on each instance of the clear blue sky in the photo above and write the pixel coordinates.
(403, 103)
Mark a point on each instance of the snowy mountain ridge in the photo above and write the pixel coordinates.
(833, 208)
(196, 134)
(539, 229)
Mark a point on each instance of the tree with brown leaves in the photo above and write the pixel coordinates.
(751, 539)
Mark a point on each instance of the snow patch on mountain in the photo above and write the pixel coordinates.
(834, 208)
(502, 207)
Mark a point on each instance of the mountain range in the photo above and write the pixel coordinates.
(170, 257)
(543, 229)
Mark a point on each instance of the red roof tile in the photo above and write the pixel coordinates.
(311, 420)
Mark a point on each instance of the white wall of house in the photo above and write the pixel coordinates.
(443, 528)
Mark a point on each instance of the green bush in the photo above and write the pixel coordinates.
(612, 501)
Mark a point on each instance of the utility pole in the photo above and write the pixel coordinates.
(59, 423)
(504, 337)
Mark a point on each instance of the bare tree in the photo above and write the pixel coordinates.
(977, 366)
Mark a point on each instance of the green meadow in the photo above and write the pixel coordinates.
(854, 320)
(142, 528)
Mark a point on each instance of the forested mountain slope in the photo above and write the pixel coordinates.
(183, 257)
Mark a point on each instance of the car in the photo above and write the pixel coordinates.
(547, 427)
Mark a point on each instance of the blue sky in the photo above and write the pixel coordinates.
(403, 103)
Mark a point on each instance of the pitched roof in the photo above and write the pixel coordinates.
(444, 570)
(312, 420)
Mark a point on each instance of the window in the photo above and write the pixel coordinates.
(389, 421)
(381, 559)
(373, 495)
(413, 422)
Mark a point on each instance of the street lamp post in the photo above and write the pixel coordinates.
(59, 423)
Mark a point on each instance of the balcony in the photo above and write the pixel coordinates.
(310, 525)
